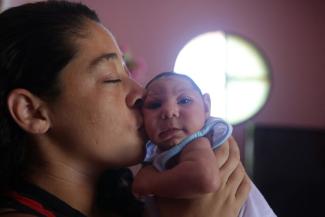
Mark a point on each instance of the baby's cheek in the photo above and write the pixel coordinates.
(150, 128)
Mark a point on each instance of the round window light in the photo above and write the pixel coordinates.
(231, 70)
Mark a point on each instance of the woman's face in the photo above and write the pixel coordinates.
(96, 117)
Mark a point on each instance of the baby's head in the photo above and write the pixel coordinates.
(174, 108)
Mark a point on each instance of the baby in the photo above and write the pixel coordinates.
(180, 161)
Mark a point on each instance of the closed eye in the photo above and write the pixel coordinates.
(152, 105)
(113, 81)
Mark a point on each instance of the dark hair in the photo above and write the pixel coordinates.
(36, 43)
(169, 74)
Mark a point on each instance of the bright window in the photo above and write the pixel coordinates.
(231, 70)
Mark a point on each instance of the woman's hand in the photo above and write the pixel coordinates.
(227, 201)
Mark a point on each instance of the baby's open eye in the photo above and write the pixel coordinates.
(152, 105)
(184, 100)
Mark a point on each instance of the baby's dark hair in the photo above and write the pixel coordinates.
(37, 40)
(169, 74)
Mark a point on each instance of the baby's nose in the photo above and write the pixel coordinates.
(170, 110)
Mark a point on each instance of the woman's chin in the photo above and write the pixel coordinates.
(137, 158)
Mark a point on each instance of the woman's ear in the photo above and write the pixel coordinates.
(28, 111)
(207, 104)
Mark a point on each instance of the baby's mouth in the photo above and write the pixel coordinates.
(169, 133)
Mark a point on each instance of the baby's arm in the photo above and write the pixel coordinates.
(195, 173)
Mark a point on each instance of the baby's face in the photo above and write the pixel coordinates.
(172, 110)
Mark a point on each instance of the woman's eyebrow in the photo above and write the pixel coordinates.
(102, 57)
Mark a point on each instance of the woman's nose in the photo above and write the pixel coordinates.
(135, 96)
(169, 110)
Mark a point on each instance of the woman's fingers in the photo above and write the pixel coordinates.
(222, 154)
(239, 181)
(231, 163)
(243, 189)
(225, 202)
(234, 180)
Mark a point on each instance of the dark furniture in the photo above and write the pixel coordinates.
(287, 164)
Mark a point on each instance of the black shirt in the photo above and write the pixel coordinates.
(113, 198)
(30, 199)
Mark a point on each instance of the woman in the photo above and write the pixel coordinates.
(69, 112)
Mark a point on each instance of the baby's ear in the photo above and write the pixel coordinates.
(28, 111)
(207, 104)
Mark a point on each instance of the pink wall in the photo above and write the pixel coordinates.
(291, 34)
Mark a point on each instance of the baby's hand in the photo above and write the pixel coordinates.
(199, 154)
(202, 141)
(209, 136)
(195, 144)
(141, 185)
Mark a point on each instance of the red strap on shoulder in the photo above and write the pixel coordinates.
(38, 207)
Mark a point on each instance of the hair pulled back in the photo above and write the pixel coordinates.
(36, 43)
(37, 40)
